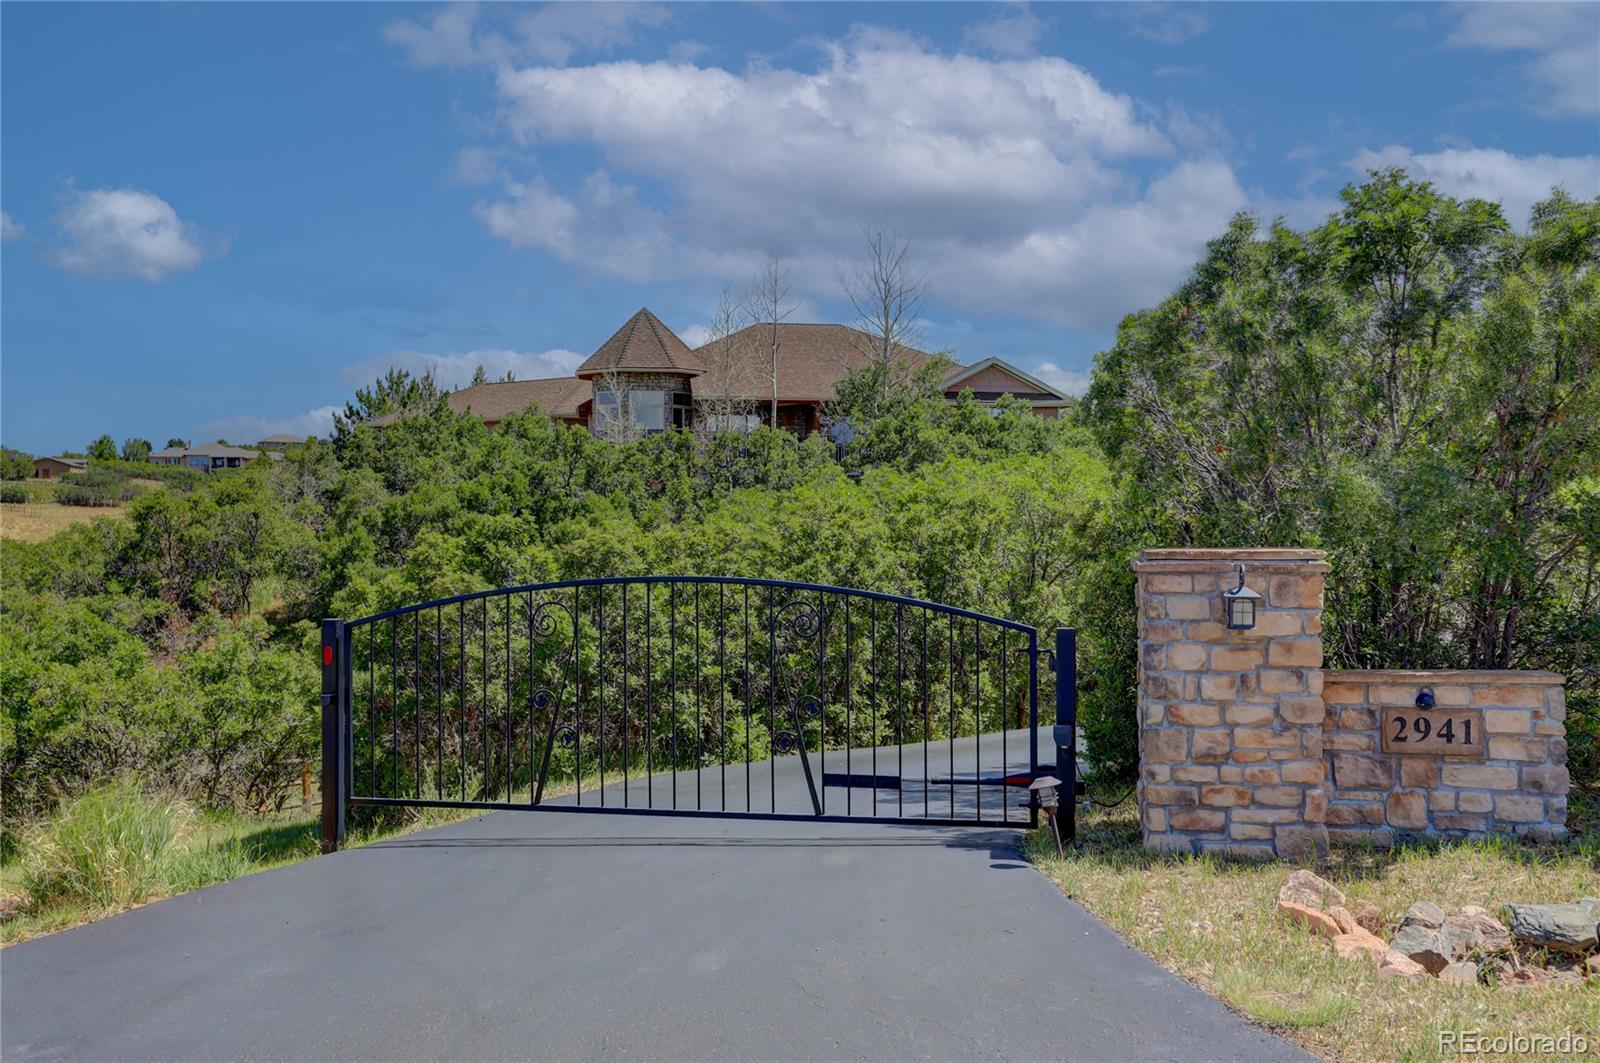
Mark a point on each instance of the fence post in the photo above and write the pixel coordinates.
(333, 700)
(1066, 728)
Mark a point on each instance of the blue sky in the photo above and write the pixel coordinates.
(219, 219)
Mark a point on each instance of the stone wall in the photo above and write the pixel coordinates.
(1230, 722)
(1247, 745)
(1519, 788)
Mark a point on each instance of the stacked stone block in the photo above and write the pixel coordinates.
(1231, 721)
(1521, 788)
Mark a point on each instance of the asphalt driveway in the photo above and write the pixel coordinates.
(569, 936)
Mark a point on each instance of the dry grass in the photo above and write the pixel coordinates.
(34, 522)
(1212, 922)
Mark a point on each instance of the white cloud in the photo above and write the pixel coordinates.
(1561, 41)
(456, 370)
(1069, 381)
(127, 233)
(1014, 31)
(994, 168)
(9, 228)
(464, 34)
(479, 166)
(1516, 182)
(1163, 23)
(696, 335)
(443, 38)
(249, 429)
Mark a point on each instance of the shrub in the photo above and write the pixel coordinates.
(108, 848)
(97, 487)
(14, 493)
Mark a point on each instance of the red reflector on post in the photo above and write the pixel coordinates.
(327, 656)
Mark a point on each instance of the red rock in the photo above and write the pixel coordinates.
(1310, 890)
(1528, 978)
(1398, 965)
(1347, 922)
(1369, 916)
(1319, 923)
(1360, 945)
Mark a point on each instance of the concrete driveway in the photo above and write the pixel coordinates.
(567, 936)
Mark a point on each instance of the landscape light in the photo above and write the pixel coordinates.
(1240, 605)
(1044, 790)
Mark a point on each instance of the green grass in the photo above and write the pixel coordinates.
(1212, 921)
(116, 848)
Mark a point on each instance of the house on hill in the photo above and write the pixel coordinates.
(282, 441)
(208, 457)
(51, 468)
(645, 378)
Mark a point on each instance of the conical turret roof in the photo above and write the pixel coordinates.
(644, 344)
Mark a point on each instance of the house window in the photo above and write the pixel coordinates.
(734, 422)
(649, 410)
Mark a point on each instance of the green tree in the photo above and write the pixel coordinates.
(1410, 387)
(396, 391)
(103, 449)
(136, 449)
(15, 464)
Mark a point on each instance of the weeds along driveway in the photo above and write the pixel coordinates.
(538, 935)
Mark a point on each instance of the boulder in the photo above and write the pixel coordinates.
(1567, 978)
(1561, 927)
(1592, 966)
(1477, 931)
(1360, 945)
(1460, 973)
(1397, 966)
(1368, 915)
(1423, 945)
(1526, 979)
(1347, 922)
(1319, 923)
(1309, 889)
(1424, 914)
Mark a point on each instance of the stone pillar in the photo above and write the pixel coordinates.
(1231, 722)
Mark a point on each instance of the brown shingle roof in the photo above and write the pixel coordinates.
(812, 359)
(644, 343)
(557, 397)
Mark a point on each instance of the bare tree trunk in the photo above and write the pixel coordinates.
(729, 358)
(771, 305)
(886, 294)
(614, 423)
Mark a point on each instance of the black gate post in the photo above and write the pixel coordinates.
(333, 701)
(1066, 728)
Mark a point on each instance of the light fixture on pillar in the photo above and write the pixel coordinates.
(1239, 605)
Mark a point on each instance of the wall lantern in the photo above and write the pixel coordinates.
(1240, 605)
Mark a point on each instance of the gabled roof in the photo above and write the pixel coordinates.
(557, 397)
(643, 344)
(76, 463)
(981, 374)
(812, 359)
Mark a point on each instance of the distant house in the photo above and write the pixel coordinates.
(992, 380)
(647, 377)
(50, 468)
(206, 457)
(280, 442)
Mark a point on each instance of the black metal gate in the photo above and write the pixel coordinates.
(692, 696)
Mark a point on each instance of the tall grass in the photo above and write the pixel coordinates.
(109, 848)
